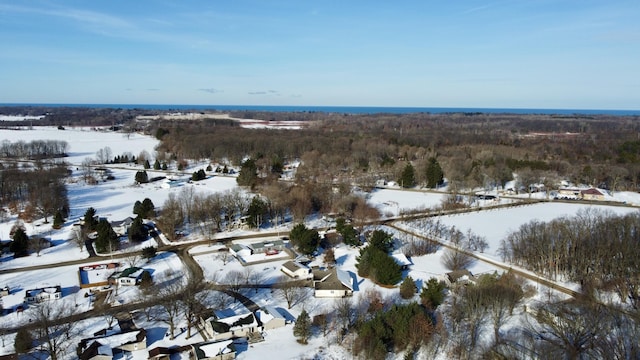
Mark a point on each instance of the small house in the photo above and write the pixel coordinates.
(122, 227)
(592, 194)
(296, 270)
(332, 283)
(34, 296)
(462, 276)
(230, 327)
(104, 347)
(214, 350)
(402, 260)
(268, 247)
(127, 277)
(270, 318)
(240, 250)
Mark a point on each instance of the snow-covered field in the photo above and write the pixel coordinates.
(115, 199)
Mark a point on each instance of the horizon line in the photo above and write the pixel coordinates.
(254, 107)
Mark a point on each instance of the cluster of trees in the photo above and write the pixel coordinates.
(33, 150)
(374, 261)
(597, 249)
(471, 149)
(399, 328)
(209, 213)
(305, 240)
(34, 192)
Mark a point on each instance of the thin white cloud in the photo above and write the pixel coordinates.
(211, 90)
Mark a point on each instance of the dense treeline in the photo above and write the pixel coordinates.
(38, 191)
(598, 250)
(472, 149)
(33, 150)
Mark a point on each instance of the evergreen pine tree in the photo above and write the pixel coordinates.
(407, 288)
(58, 220)
(149, 252)
(407, 179)
(107, 238)
(137, 232)
(156, 165)
(20, 244)
(90, 219)
(147, 165)
(23, 341)
(142, 177)
(248, 174)
(434, 174)
(432, 294)
(302, 328)
(148, 209)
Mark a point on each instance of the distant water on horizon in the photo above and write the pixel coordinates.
(343, 109)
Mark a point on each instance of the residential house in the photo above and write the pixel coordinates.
(215, 350)
(96, 275)
(240, 250)
(122, 227)
(296, 270)
(105, 347)
(462, 276)
(267, 247)
(592, 194)
(34, 296)
(569, 193)
(127, 277)
(333, 283)
(402, 260)
(230, 327)
(270, 318)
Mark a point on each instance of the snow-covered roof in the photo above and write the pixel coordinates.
(269, 313)
(294, 266)
(235, 322)
(116, 340)
(213, 349)
(345, 278)
(401, 259)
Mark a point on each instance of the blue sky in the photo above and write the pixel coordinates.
(573, 54)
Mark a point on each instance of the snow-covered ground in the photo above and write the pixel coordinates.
(115, 199)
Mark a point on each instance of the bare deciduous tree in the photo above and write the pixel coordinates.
(53, 329)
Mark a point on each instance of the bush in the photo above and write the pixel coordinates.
(58, 220)
(407, 288)
(23, 341)
(149, 252)
(142, 177)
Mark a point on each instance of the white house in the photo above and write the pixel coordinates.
(333, 283)
(296, 270)
(35, 296)
(215, 350)
(240, 250)
(230, 327)
(122, 227)
(127, 277)
(270, 318)
(104, 347)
